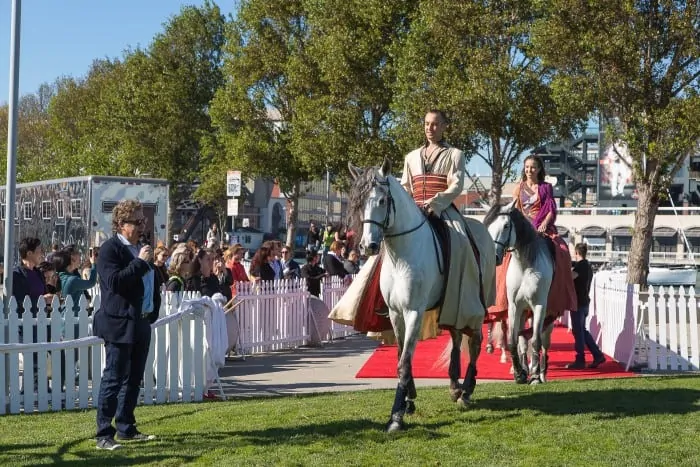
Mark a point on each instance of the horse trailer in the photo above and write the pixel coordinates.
(78, 210)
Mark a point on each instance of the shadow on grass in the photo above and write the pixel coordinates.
(609, 403)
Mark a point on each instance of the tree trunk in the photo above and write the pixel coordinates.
(293, 213)
(496, 173)
(638, 262)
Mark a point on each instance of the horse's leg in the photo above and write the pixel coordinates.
(470, 376)
(455, 365)
(504, 337)
(546, 343)
(515, 318)
(538, 315)
(489, 338)
(411, 320)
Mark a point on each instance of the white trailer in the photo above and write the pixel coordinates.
(78, 210)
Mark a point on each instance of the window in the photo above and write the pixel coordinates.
(60, 213)
(2, 211)
(46, 209)
(27, 211)
(76, 205)
(16, 213)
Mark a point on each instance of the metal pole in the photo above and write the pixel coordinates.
(9, 251)
(328, 196)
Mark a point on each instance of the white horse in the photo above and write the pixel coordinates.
(528, 280)
(410, 278)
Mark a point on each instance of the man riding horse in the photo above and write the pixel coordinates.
(434, 176)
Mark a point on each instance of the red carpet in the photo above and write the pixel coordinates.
(382, 363)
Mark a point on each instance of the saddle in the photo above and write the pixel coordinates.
(441, 239)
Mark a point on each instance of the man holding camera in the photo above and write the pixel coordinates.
(130, 303)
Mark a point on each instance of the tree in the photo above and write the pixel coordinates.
(472, 59)
(146, 113)
(352, 44)
(637, 62)
(268, 75)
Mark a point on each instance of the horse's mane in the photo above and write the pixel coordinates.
(526, 237)
(492, 214)
(359, 192)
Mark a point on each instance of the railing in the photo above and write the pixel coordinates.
(57, 338)
(270, 316)
(656, 329)
(601, 211)
(666, 257)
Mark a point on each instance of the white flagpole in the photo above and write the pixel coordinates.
(9, 251)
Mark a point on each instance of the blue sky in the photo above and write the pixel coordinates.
(63, 37)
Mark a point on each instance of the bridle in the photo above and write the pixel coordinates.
(510, 232)
(391, 206)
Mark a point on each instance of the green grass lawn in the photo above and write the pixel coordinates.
(626, 422)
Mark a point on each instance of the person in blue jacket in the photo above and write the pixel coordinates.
(130, 303)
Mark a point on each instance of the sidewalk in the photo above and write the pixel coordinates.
(330, 368)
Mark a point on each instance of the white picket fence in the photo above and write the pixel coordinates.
(656, 329)
(271, 316)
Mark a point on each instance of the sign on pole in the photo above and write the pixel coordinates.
(233, 183)
(232, 207)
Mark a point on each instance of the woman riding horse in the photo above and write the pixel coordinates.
(535, 199)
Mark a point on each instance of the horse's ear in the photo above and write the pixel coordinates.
(484, 205)
(385, 169)
(510, 206)
(355, 172)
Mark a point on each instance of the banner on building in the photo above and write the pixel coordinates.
(616, 181)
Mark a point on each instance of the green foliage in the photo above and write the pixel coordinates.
(592, 422)
(349, 118)
(267, 73)
(636, 62)
(146, 113)
(472, 59)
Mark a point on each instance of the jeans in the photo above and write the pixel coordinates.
(120, 386)
(582, 336)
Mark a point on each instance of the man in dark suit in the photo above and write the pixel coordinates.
(332, 261)
(130, 303)
(290, 268)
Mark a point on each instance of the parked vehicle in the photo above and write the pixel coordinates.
(78, 210)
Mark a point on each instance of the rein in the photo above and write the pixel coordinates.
(510, 232)
(391, 207)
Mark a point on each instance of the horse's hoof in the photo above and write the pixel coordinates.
(535, 380)
(464, 403)
(455, 394)
(521, 378)
(394, 426)
(410, 407)
(489, 348)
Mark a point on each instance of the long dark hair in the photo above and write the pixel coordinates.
(540, 164)
(260, 258)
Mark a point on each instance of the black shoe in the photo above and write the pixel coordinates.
(577, 365)
(597, 362)
(136, 436)
(108, 444)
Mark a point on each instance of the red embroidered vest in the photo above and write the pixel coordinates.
(427, 186)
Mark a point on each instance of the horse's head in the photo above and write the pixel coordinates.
(501, 227)
(377, 210)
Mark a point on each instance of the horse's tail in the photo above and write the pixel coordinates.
(443, 361)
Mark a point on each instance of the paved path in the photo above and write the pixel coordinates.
(329, 368)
